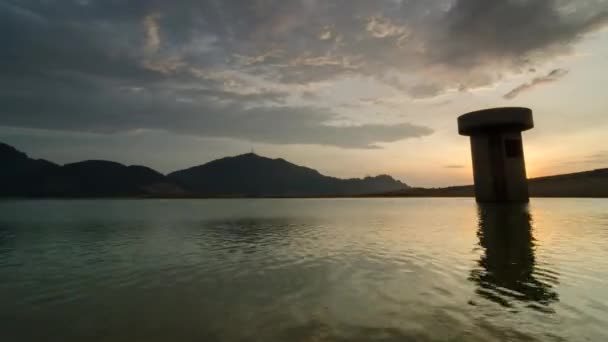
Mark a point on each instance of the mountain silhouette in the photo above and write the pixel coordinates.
(247, 175)
(23, 176)
(104, 178)
(579, 184)
(251, 175)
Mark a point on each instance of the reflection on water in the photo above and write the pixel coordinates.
(506, 271)
(303, 270)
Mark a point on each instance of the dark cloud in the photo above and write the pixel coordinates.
(309, 95)
(552, 76)
(116, 66)
(425, 90)
(458, 45)
(258, 96)
(454, 166)
(479, 31)
(231, 68)
(82, 107)
(599, 158)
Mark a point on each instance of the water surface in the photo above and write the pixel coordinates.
(303, 270)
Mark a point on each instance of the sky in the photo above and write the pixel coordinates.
(348, 87)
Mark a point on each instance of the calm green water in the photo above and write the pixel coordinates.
(303, 270)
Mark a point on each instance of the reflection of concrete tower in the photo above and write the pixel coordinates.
(506, 271)
(498, 157)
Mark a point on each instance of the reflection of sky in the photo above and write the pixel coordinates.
(357, 269)
(178, 88)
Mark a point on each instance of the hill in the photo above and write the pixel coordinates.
(580, 184)
(247, 175)
(250, 175)
(21, 176)
(99, 178)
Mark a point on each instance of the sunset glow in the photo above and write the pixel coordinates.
(347, 87)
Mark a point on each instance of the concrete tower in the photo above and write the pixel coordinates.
(498, 157)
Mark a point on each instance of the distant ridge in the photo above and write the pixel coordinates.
(251, 175)
(247, 175)
(21, 176)
(579, 184)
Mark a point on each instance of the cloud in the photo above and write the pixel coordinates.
(326, 34)
(309, 95)
(479, 31)
(454, 166)
(466, 45)
(599, 158)
(256, 96)
(596, 159)
(190, 111)
(152, 31)
(425, 90)
(382, 27)
(552, 76)
(108, 66)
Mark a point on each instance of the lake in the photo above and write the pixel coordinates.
(303, 270)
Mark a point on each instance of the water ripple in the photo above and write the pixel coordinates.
(303, 270)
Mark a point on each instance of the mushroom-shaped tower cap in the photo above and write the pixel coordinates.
(495, 119)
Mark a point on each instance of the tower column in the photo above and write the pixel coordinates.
(499, 168)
